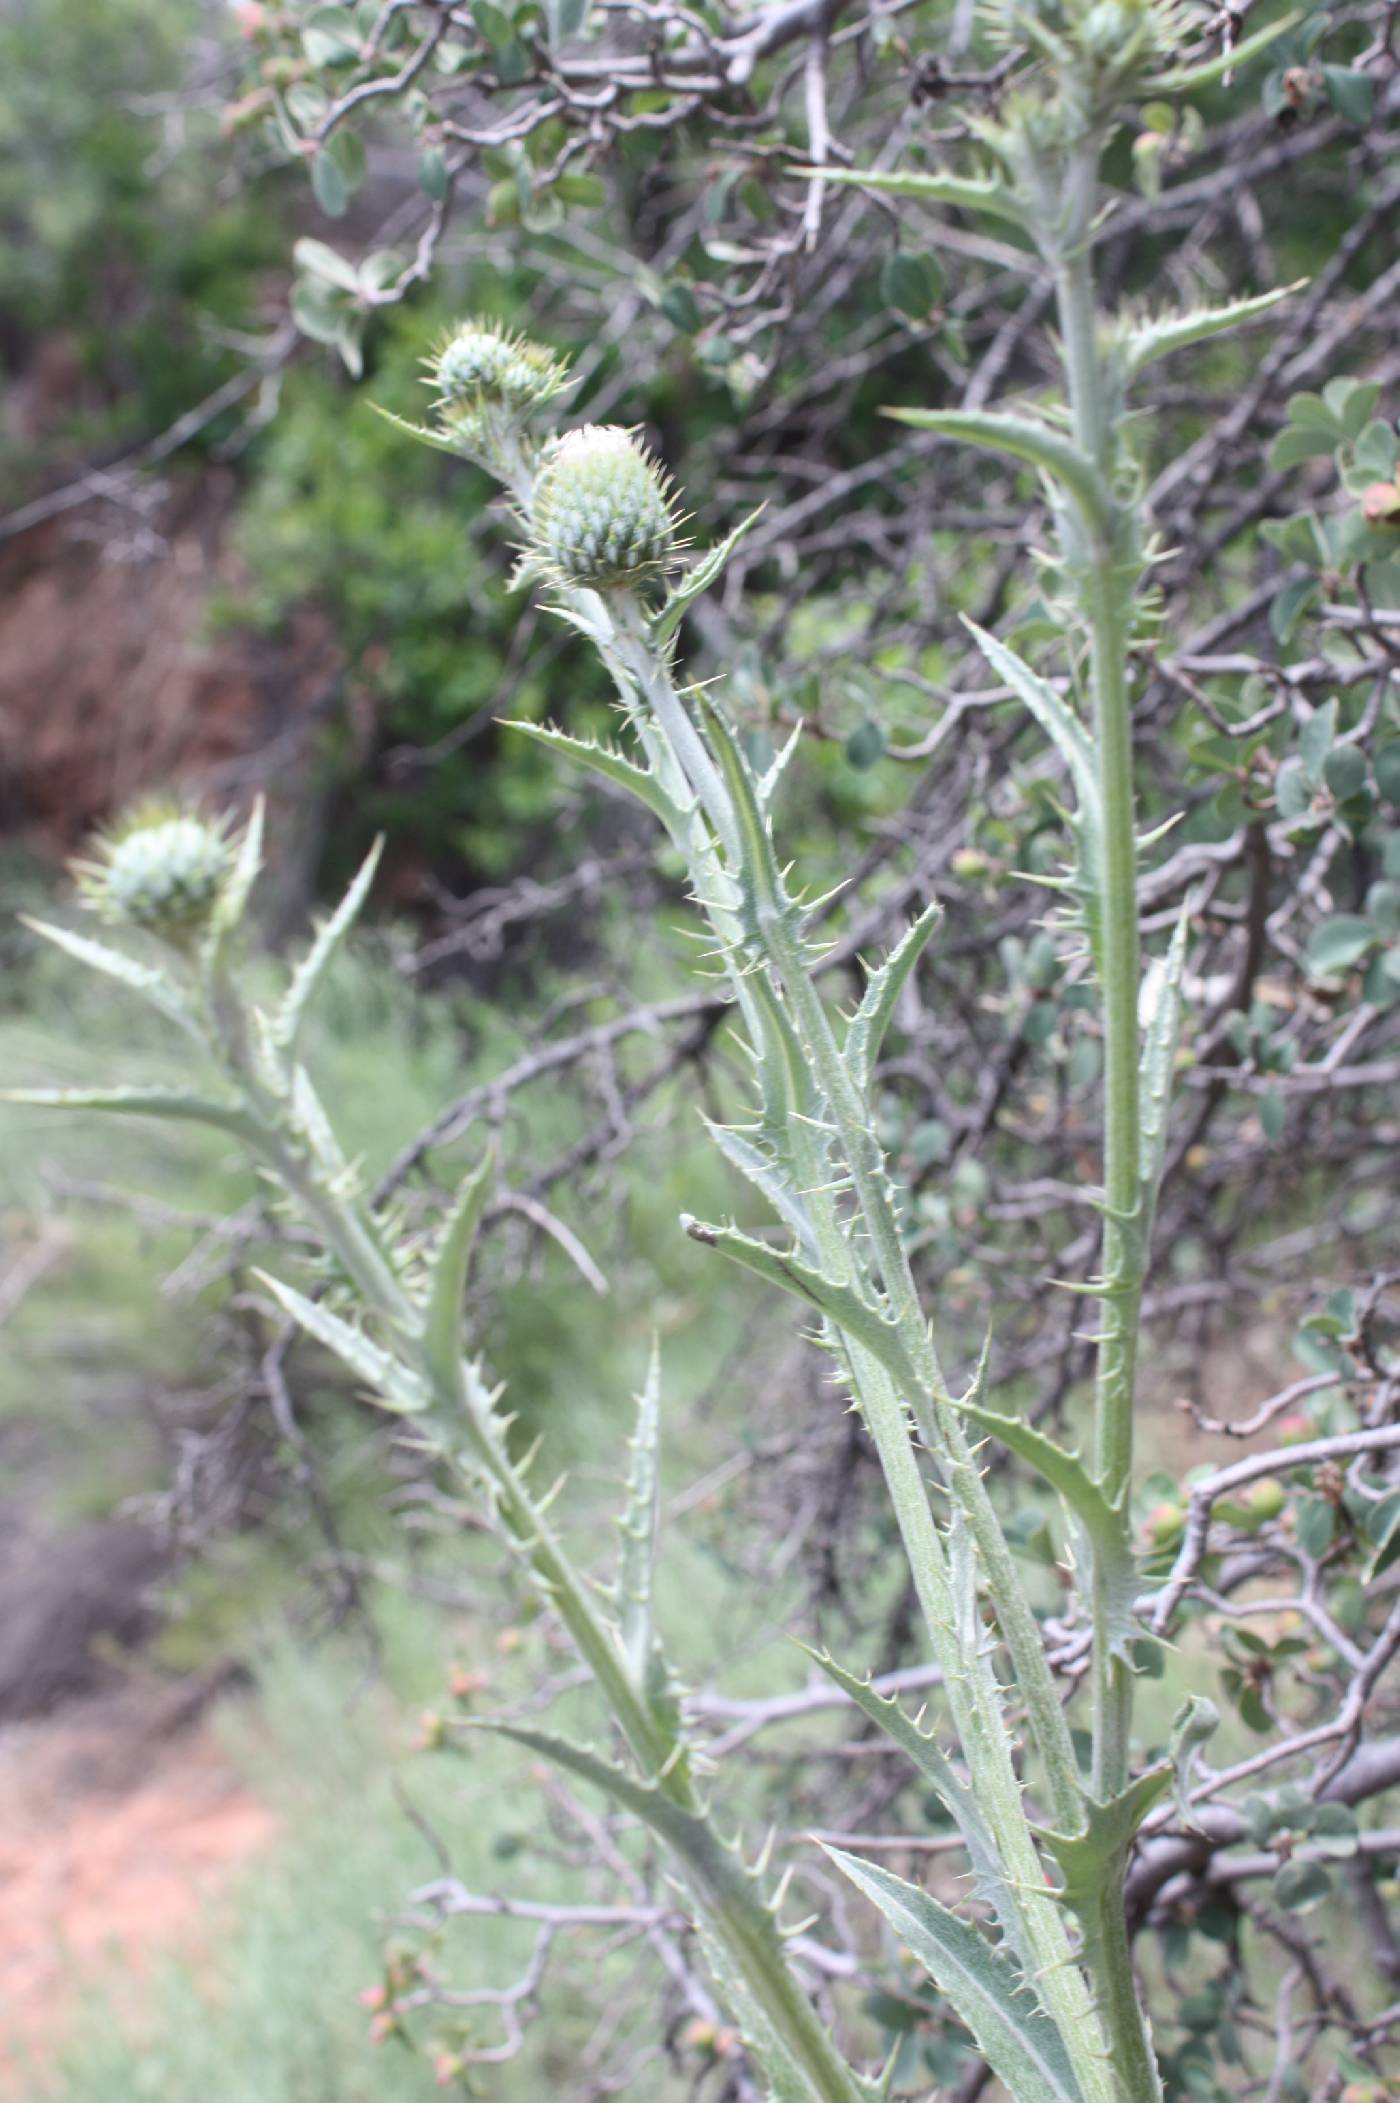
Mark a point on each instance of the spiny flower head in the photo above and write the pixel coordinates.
(603, 513)
(481, 365)
(162, 869)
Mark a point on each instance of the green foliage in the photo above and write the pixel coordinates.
(341, 518)
(118, 228)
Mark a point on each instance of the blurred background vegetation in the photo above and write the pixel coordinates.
(221, 573)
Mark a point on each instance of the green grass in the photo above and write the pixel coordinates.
(272, 2013)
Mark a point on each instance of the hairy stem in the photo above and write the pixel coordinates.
(1106, 567)
(1106, 576)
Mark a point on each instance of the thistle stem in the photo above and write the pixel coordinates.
(1107, 575)
(1103, 561)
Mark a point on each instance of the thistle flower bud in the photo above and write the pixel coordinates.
(482, 366)
(603, 513)
(162, 871)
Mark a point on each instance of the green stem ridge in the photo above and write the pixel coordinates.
(1104, 565)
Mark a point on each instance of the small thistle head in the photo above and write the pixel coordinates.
(603, 514)
(162, 870)
(482, 366)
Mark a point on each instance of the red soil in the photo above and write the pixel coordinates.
(114, 1841)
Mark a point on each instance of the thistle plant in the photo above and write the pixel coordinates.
(1038, 1964)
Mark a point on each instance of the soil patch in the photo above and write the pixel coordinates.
(120, 1825)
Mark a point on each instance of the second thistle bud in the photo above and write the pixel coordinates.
(163, 872)
(603, 514)
(482, 368)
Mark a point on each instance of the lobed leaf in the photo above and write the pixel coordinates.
(966, 193)
(865, 1034)
(146, 979)
(1174, 332)
(394, 1385)
(1025, 439)
(623, 773)
(699, 578)
(447, 1274)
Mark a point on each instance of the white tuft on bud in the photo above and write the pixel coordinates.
(163, 872)
(602, 513)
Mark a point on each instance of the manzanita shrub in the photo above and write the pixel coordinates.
(1030, 1755)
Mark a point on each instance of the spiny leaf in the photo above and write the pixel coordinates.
(1091, 1861)
(1181, 79)
(783, 2080)
(1071, 740)
(141, 1102)
(768, 785)
(1173, 332)
(151, 983)
(309, 973)
(1058, 721)
(866, 1032)
(645, 1800)
(1024, 438)
(441, 441)
(953, 1793)
(788, 1086)
(395, 1386)
(319, 1133)
(638, 1525)
(841, 1305)
(699, 579)
(765, 1175)
(1100, 1524)
(1012, 2031)
(1065, 1472)
(723, 1894)
(967, 193)
(759, 872)
(602, 759)
(233, 899)
(447, 1274)
(884, 1710)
